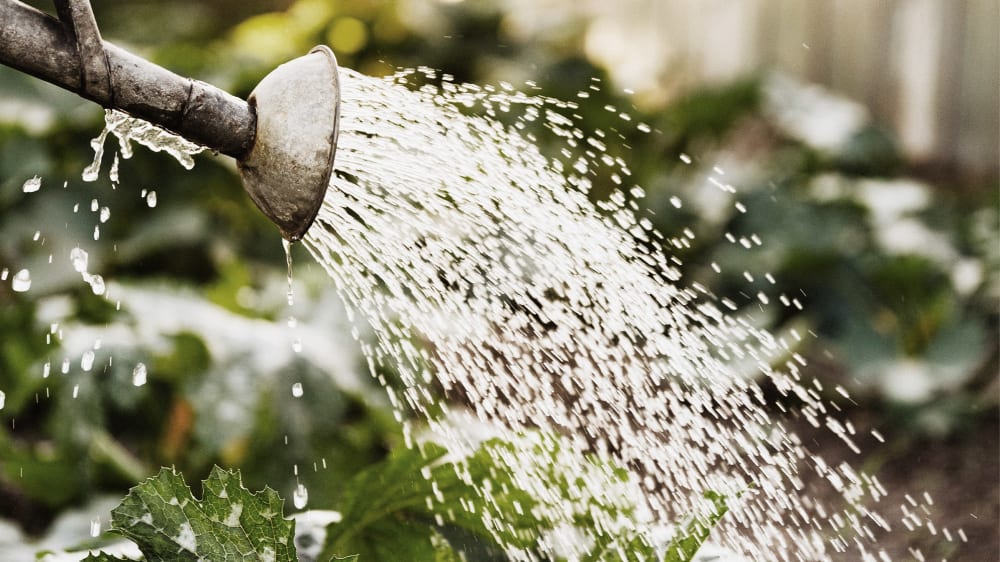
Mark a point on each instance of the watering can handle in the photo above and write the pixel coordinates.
(78, 18)
(69, 53)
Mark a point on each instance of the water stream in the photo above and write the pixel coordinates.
(488, 278)
(485, 285)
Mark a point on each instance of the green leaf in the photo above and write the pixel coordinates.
(229, 523)
(105, 557)
(414, 502)
(685, 545)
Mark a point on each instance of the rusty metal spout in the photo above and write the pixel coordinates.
(283, 138)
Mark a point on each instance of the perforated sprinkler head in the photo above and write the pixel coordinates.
(283, 138)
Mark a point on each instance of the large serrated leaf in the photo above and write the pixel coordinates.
(230, 523)
(685, 545)
(416, 502)
(104, 557)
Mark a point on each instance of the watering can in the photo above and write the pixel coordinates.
(283, 137)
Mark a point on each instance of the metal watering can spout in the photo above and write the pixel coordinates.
(283, 137)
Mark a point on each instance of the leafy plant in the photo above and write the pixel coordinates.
(494, 501)
(167, 522)
(685, 545)
(415, 502)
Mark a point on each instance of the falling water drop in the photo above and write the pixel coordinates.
(297, 390)
(65, 366)
(46, 369)
(79, 257)
(95, 527)
(97, 284)
(3, 399)
(97, 232)
(685, 158)
(32, 185)
(87, 360)
(292, 322)
(4, 273)
(139, 374)
(297, 345)
(287, 246)
(105, 214)
(113, 173)
(21, 282)
(151, 199)
(300, 497)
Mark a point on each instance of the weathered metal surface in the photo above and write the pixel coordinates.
(284, 139)
(40, 45)
(288, 169)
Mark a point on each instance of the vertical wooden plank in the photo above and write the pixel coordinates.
(880, 86)
(978, 142)
(916, 59)
(820, 38)
(728, 48)
(792, 40)
(947, 114)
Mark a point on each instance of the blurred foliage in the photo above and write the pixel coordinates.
(888, 284)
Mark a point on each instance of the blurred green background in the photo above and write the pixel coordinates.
(892, 256)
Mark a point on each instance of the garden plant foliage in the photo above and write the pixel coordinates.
(896, 277)
(396, 506)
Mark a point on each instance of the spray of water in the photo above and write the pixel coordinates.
(488, 278)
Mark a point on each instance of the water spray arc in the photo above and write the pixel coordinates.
(283, 137)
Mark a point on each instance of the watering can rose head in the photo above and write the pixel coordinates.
(288, 168)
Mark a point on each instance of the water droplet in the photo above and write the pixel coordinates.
(292, 322)
(151, 199)
(676, 202)
(65, 366)
(113, 173)
(300, 497)
(32, 185)
(685, 158)
(37, 235)
(139, 374)
(297, 345)
(95, 527)
(80, 258)
(287, 246)
(46, 368)
(3, 399)
(297, 390)
(97, 232)
(94, 205)
(21, 282)
(97, 284)
(4, 273)
(105, 214)
(76, 390)
(87, 361)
